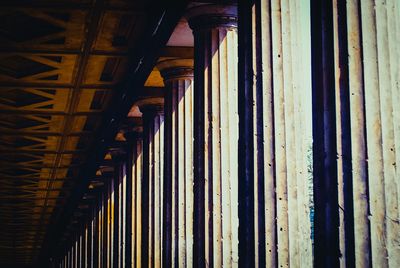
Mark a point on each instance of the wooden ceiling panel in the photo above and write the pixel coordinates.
(59, 63)
(31, 123)
(31, 143)
(37, 68)
(27, 159)
(34, 99)
(71, 144)
(45, 29)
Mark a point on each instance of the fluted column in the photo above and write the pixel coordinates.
(118, 191)
(152, 183)
(367, 67)
(178, 218)
(89, 241)
(113, 209)
(275, 146)
(356, 53)
(134, 200)
(100, 230)
(137, 170)
(215, 135)
(326, 216)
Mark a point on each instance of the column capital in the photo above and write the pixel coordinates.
(172, 69)
(151, 105)
(206, 16)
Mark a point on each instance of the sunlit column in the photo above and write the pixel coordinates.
(119, 157)
(152, 183)
(109, 190)
(137, 167)
(178, 217)
(356, 54)
(123, 221)
(100, 231)
(367, 67)
(133, 198)
(121, 224)
(275, 145)
(215, 135)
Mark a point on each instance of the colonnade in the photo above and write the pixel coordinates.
(276, 146)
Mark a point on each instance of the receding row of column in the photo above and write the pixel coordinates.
(111, 235)
(189, 189)
(319, 84)
(276, 146)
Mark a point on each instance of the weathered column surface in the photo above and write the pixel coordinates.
(178, 204)
(371, 58)
(215, 135)
(275, 119)
(178, 217)
(152, 183)
(134, 201)
(113, 211)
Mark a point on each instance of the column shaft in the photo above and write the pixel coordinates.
(109, 218)
(105, 217)
(326, 216)
(129, 203)
(366, 85)
(275, 120)
(374, 91)
(115, 213)
(178, 235)
(152, 185)
(215, 137)
(136, 197)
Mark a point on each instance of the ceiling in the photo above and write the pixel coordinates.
(59, 64)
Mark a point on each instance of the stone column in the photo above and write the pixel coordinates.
(137, 170)
(113, 223)
(215, 135)
(152, 183)
(133, 200)
(89, 259)
(119, 157)
(371, 59)
(275, 153)
(178, 217)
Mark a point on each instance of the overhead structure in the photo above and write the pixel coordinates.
(208, 133)
(59, 64)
